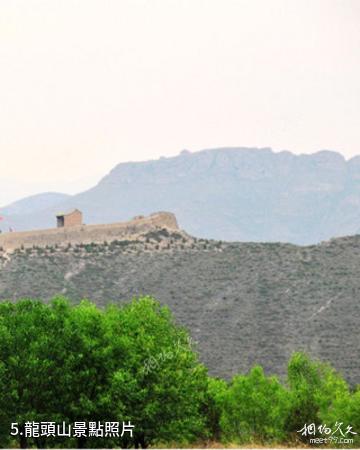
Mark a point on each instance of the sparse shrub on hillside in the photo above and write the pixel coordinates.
(176, 236)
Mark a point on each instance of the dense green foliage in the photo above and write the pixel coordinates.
(60, 362)
(254, 407)
(257, 408)
(316, 392)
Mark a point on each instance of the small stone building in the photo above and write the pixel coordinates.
(70, 219)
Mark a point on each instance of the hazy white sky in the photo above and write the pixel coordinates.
(87, 84)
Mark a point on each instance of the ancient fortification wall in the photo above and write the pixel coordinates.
(86, 234)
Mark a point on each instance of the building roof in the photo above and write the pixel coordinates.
(62, 214)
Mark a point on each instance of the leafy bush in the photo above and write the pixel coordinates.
(214, 404)
(315, 390)
(254, 408)
(68, 363)
(60, 362)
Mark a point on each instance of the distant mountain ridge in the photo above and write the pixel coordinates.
(233, 194)
(34, 203)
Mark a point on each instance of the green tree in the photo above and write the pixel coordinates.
(28, 373)
(353, 416)
(159, 384)
(255, 408)
(78, 363)
(344, 410)
(214, 405)
(316, 390)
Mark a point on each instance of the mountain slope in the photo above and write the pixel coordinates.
(245, 303)
(34, 203)
(231, 194)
